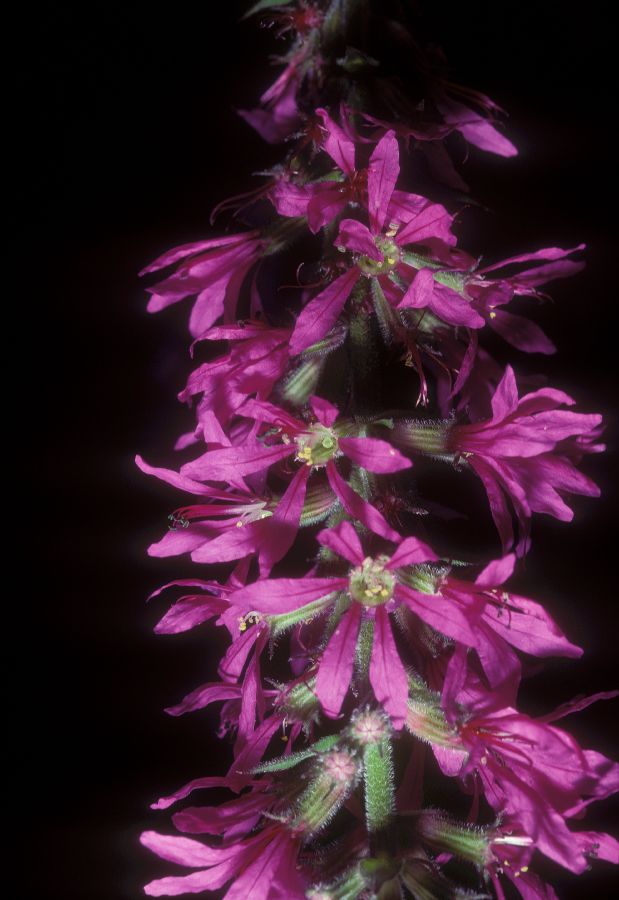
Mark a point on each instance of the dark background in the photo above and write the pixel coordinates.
(136, 138)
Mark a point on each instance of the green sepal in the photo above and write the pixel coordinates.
(281, 763)
(379, 787)
(283, 622)
(334, 339)
(319, 502)
(453, 280)
(444, 834)
(364, 646)
(302, 382)
(388, 321)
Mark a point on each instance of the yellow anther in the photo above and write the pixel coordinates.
(384, 592)
(391, 260)
(525, 869)
(493, 315)
(240, 524)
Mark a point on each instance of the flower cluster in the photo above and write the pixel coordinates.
(387, 662)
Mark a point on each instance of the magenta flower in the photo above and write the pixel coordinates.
(535, 772)
(214, 274)
(257, 358)
(496, 620)
(238, 524)
(316, 445)
(257, 865)
(379, 254)
(523, 454)
(374, 588)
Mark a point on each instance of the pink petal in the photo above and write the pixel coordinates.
(476, 129)
(547, 253)
(505, 398)
(454, 309)
(520, 332)
(339, 147)
(336, 662)
(325, 412)
(496, 572)
(203, 696)
(357, 237)
(257, 879)
(186, 851)
(281, 529)
(197, 882)
(359, 508)
(217, 819)
(442, 614)
(234, 543)
(420, 292)
(230, 463)
(430, 222)
(280, 595)
(374, 455)
(327, 202)
(188, 612)
(181, 540)
(383, 172)
(387, 674)
(343, 540)
(320, 315)
(176, 253)
(196, 784)
(411, 552)
(173, 478)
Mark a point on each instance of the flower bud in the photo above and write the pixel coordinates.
(335, 776)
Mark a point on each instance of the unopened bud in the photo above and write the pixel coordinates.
(369, 727)
(335, 776)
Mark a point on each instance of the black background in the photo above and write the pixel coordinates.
(135, 139)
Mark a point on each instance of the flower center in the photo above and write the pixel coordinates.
(391, 258)
(370, 583)
(316, 446)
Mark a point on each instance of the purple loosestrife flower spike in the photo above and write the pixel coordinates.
(365, 666)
